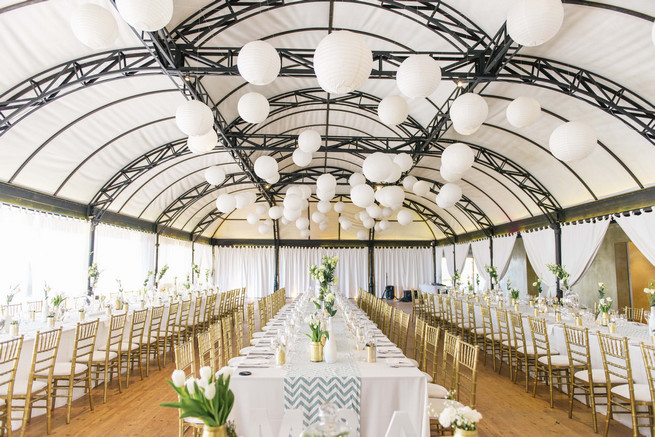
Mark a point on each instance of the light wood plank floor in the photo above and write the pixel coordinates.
(506, 408)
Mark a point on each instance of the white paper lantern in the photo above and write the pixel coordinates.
(318, 217)
(392, 196)
(409, 182)
(273, 179)
(376, 228)
(258, 63)
(260, 209)
(356, 179)
(294, 189)
(450, 193)
(226, 203)
(252, 218)
(275, 212)
(368, 223)
(325, 196)
(387, 212)
(377, 167)
(305, 233)
(326, 182)
(363, 215)
(323, 226)
(468, 112)
(404, 161)
(94, 26)
(241, 200)
(384, 225)
(292, 202)
(202, 143)
(309, 141)
(146, 15)
(301, 158)
(194, 118)
(394, 174)
(374, 211)
(458, 158)
(572, 141)
(393, 110)
(362, 195)
(404, 217)
(266, 167)
(523, 111)
(339, 207)
(305, 191)
(362, 235)
(449, 175)
(263, 229)
(421, 188)
(346, 224)
(533, 22)
(418, 76)
(324, 207)
(342, 62)
(268, 222)
(291, 214)
(253, 107)
(215, 175)
(302, 223)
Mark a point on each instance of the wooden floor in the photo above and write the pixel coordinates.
(506, 408)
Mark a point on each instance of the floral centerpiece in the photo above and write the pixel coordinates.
(493, 274)
(605, 304)
(13, 291)
(560, 273)
(161, 273)
(94, 275)
(207, 398)
(461, 419)
(601, 290)
(329, 304)
(317, 332)
(513, 292)
(456, 279)
(324, 274)
(650, 291)
(537, 284)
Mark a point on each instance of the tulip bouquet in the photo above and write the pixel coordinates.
(537, 284)
(316, 327)
(324, 274)
(650, 291)
(207, 398)
(464, 418)
(493, 274)
(605, 304)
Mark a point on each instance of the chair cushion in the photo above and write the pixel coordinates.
(495, 337)
(20, 387)
(99, 356)
(124, 347)
(428, 377)
(642, 392)
(246, 350)
(64, 369)
(437, 391)
(437, 405)
(234, 362)
(598, 377)
(555, 360)
(414, 362)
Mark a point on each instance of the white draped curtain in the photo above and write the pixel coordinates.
(202, 257)
(460, 253)
(438, 255)
(503, 247)
(641, 230)
(580, 244)
(540, 248)
(403, 267)
(482, 258)
(123, 254)
(40, 248)
(352, 269)
(249, 267)
(177, 255)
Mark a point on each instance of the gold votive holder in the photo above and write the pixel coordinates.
(280, 356)
(51, 322)
(316, 352)
(32, 315)
(558, 316)
(80, 314)
(578, 321)
(612, 328)
(531, 303)
(13, 329)
(500, 304)
(516, 307)
(371, 355)
(536, 312)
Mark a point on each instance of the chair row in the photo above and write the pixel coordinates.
(393, 322)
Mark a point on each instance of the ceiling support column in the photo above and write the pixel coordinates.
(156, 259)
(433, 246)
(491, 256)
(92, 242)
(371, 267)
(558, 254)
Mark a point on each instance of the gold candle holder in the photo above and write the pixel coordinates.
(531, 303)
(536, 312)
(371, 355)
(280, 356)
(316, 352)
(558, 316)
(516, 307)
(612, 328)
(81, 315)
(578, 321)
(13, 329)
(51, 322)
(32, 315)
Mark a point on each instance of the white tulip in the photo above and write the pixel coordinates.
(210, 391)
(205, 373)
(178, 377)
(191, 385)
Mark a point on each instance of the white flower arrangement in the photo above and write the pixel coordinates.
(464, 418)
(605, 304)
(650, 291)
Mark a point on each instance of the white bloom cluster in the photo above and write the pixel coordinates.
(313, 320)
(463, 418)
(203, 383)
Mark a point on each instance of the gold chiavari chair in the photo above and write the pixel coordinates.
(250, 319)
(458, 317)
(629, 395)
(417, 306)
(466, 373)
(11, 310)
(106, 360)
(195, 318)
(438, 311)
(181, 323)
(27, 393)
(129, 351)
(490, 337)
(505, 342)
(66, 375)
(261, 306)
(359, 298)
(555, 368)
(35, 306)
(151, 345)
(475, 334)
(388, 320)
(206, 351)
(216, 337)
(431, 351)
(524, 357)
(419, 334)
(634, 314)
(584, 379)
(185, 360)
(648, 354)
(210, 307)
(167, 335)
(448, 360)
(238, 334)
(9, 354)
(431, 311)
(447, 312)
(228, 351)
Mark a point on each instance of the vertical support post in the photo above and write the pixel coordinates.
(193, 261)
(491, 255)
(276, 278)
(213, 267)
(434, 261)
(454, 260)
(371, 268)
(92, 243)
(558, 253)
(156, 260)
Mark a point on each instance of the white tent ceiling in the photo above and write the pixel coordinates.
(75, 143)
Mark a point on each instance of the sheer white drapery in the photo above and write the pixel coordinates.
(580, 244)
(177, 255)
(403, 267)
(540, 248)
(352, 269)
(123, 254)
(202, 257)
(482, 258)
(503, 247)
(40, 248)
(641, 230)
(438, 255)
(249, 267)
(461, 251)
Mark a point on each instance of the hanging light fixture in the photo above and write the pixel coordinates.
(202, 143)
(421, 188)
(253, 107)
(572, 141)
(215, 175)
(356, 179)
(523, 111)
(146, 15)
(194, 118)
(342, 62)
(266, 167)
(449, 195)
(362, 195)
(301, 158)
(309, 141)
(258, 63)
(457, 158)
(94, 26)
(226, 203)
(468, 112)
(404, 217)
(393, 110)
(418, 76)
(377, 167)
(534, 22)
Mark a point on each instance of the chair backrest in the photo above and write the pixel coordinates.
(206, 351)
(419, 333)
(431, 351)
(226, 322)
(446, 311)
(404, 330)
(36, 306)
(250, 316)
(449, 359)
(44, 354)
(540, 337)
(183, 320)
(518, 333)
(470, 315)
(577, 348)
(169, 321)
(9, 355)
(648, 353)
(263, 319)
(458, 314)
(12, 309)
(139, 318)
(503, 324)
(466, 373)
(210, 306)
(634, 314)
(487, 321)
(156, 316)
(185, 358)
(85, 341)
(616, 358)
(115, 334)
(197, 310)
(238, 329)
(216, 337)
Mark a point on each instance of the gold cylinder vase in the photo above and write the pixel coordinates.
(316, 352)
(604, 319)
(461, 433)
(214, 431)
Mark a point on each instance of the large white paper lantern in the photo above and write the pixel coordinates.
(342, 62)
(368, 222)
(346, 224)
(418, 76)
(253, 107)
(356, 179)
(305, 191)
(324, 207)
(523, 111)
(363, 215)
(393, 110)
(241, 200)
(449, 195)
(404, 161)
(458, 158)
(273, 179)
(404, 217)
(384, 225)
(374, 211)
(294, 189)
(572, 141)
(533, 22)
(202, 143)
(318, 217)
(326, 182)
(309, 141)
(301, 158)
(377, 167)
(305, 233)
(275, 212)
(362, 195)
(394, 174)
(387, 212)
(325, 196)
(449, 175)
(146, 15)
(226, 203)
(260, 208)
(291, 214)
(258, 62)
(339, 207)
(215, 175)
(362, 235)
(292, 202)
(468, 112)
(266, 167)
(323, 226)
(94, 26)
(391, 197)
(194, 118)
(421, 188)
(302, 223)
(409, 182)
(252, 218)
(263, 229)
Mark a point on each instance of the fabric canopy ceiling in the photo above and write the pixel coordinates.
(98, 126)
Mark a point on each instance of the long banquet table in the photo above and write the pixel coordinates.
(384, 389)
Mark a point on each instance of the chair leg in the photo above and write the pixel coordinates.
(88, 386)
(69, 400)
(8, 421)
(118, 372)
(26, 413)
(128, 364)
(572, 388)
(550, 386)
(48, 414)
